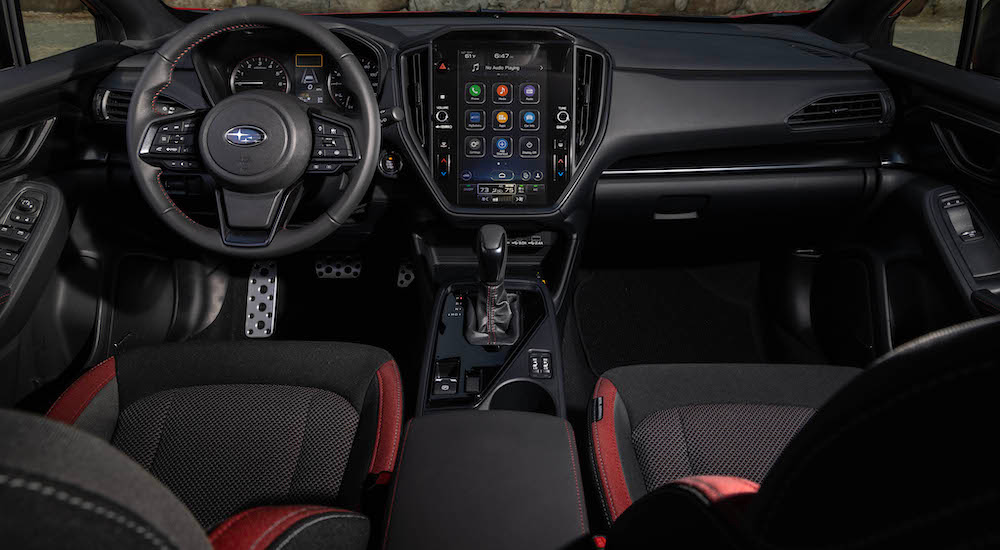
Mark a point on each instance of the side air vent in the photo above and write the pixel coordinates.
(843, 110)
(589, 89)
(112, 105)
(415, 74)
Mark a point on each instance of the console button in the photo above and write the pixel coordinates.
(444, 165)
(529, 93)
(474, 120)
(501, 93)
(529, 147)
(526, 176)
(8, 256)
(445, 387)
(475, 92)
(467, 176)
(502, 175)
(562, 117)
(529, 120)
(559, 145)
(5, 269)
(502, 121)
(539, 175)
(502, 148)
(559, 167)
(475, 147)
(441, 116)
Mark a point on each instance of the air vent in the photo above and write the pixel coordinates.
(112, 105)
(815, 51)
(415, 67)
(589, 87)
(842, 110)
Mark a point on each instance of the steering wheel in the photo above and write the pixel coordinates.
(257, 145)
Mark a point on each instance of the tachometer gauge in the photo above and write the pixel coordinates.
(259, 73)
(338, 90)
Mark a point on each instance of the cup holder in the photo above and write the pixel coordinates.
(522, 395)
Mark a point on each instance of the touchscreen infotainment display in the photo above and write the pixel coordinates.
(502, 106)
(501, 117)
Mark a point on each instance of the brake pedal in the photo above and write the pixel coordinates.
(405, 276)
(330, 267)
(262, 299)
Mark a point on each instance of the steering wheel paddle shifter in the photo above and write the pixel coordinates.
(495, 318)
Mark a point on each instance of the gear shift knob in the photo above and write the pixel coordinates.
(491, 248)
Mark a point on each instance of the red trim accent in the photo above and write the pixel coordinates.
(257, 528)
(390, 418)
(75, 399)
(728, 495)
(719, 488)
(609, 463)
(899, 9)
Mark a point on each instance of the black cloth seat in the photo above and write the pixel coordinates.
(898, 457)
(653, 424)
(232, 426)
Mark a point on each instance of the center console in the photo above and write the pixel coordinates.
(501, 112)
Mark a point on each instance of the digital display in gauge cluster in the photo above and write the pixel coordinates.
(308, 75)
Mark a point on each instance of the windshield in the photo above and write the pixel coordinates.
(730, 8)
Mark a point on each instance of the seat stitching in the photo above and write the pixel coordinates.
(378, 425)
(160, 428)
(4, 297)
(302, 438)
(314, 522)
(576, 479)
(275, 524)
(226, 525)
(600, 457)
(63, 394)
(399, 410)
(146, 530)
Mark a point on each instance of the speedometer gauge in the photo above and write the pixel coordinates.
(259, 73)
(338, 89)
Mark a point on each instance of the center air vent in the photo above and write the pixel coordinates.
(589, 90)
(112, 105)
(416, 82)
(870, 109)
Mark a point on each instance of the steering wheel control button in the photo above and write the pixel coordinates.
(529, 93)
(502, 148)
(475, 93)
(475, 147)
(474, 120)
(501, 93)
(529, 120)
(262, 300)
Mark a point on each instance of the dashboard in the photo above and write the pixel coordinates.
(526, 118)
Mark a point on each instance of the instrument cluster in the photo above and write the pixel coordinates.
(312, 76)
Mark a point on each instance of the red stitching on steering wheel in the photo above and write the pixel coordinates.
(171, 201)
(170, 76)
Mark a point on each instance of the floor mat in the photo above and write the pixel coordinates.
(699, 315)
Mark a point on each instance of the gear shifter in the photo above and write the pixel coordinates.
(495, 319)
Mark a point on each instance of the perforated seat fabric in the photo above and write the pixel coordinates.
(227, 427)
(654, 424)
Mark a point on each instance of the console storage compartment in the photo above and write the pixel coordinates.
(487, 480)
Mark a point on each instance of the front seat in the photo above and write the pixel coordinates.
(228, 427)
(896, 456)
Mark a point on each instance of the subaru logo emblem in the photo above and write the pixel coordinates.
(245, 136)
